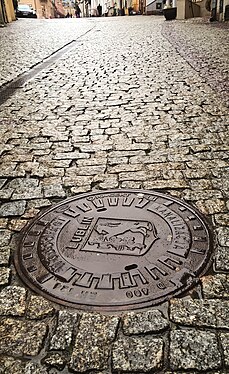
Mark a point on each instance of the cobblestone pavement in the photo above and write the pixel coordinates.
(138, 103)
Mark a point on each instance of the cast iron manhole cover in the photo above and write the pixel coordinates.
(114, 250)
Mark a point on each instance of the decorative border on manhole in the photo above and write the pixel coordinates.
(114, 250)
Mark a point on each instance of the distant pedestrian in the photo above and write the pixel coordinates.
(78, 11)
(99, 9)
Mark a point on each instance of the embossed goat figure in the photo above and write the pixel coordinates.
(126, 234)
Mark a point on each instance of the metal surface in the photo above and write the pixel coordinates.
(114, 250)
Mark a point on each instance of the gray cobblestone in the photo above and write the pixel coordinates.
(62, 337)
(5, 236)
(35, 368)
(139, 323)
(4, 255)
(55, 360)
(92, 345)
(211, 313)
(222, 259)
(223, 236)
(215, 286)
(38, 307)
(21, 337)
(224, 337)
(139, 354)
(10, 365)
(192, 349)
(4, 276)
(13, 301)
(16, 208)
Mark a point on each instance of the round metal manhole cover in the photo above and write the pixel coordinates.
(114, 250)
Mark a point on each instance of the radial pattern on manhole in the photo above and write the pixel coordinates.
(114, 250)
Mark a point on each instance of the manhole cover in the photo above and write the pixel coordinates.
(114, 250)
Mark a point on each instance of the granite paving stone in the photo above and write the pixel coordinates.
(140, 323)
(93, 340)
(62, 337)
(11, 365)
(13, 301)
(5, 237)
(222, 259)
(223, 236)
(15, 208)
(215, 286)
(55, 360)
(193, 349)
(224, 337)
(4, 276)
(35, 368)
(38, 308)
(138, 354)
(4, 255)
(208, 313)
(21, 337)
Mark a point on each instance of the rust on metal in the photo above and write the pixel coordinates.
(114, 250)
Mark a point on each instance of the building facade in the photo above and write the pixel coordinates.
(46, 8)
(7, 11)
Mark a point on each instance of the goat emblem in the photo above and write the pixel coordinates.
(122, 236)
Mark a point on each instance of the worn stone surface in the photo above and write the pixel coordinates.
(223, 236)
(4, 276)
(138, 354)
(92, 344)
(16, 208)
(5, 236)
(35, 368)
(62, 336)
(21, 337)
(9, 365)
(149, 321)
(38, 307)
(222, 259)
(215, 286)
(211, 313)
(193, 349)
(13, 301)
(4, 255)
(55, 360)
(224, 337)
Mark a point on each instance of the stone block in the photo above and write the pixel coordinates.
(137, 354)
(12, 301)
(92, 344)
(148, 321)
(21, 337)
(194, 350)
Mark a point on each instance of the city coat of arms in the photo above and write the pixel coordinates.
(120, 236)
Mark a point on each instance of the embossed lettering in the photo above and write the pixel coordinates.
(154, 270)
(127, 201)
(113, 201)
(138, 293)
(161, 286)
(84, 207)
(171, 263)
(142, 203)
(98, 203)
(69, 211)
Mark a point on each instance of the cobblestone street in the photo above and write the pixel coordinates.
(126, 102)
